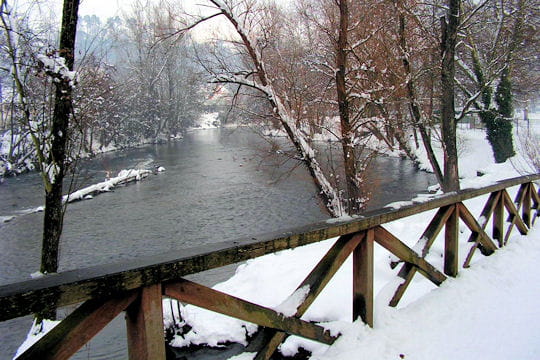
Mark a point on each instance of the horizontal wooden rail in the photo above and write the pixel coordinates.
(106, 281)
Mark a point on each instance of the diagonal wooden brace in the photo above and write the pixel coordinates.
(478, 232)
(535, 197)
(79, 327)
(407, 270)
(207, 298)
(515, 219)
(267, 340)
(485, 215)
(519, 198)
(384, 238)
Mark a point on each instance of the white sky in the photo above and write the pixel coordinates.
(103, 8)
(109, 8)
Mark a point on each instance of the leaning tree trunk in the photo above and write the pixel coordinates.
(63, 105)
(449, 27)
(330, 195)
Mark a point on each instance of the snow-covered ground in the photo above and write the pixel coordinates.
(488, 312)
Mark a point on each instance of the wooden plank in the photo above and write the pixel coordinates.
(483, 238)
(267, 340)
(520, 194)
(485, 215)
(518, 202)
(103, 281)
(535, 196)
(434, 228)
(407, 271)
(202, 296)
(79, 327)
(470, 255)
(515, 219)
(363, 280)
(536, 202)
(319, 277)
(144, 322)
(384, 238)
(451, 243)
(498, 222)
(488, 209)
(526, 207)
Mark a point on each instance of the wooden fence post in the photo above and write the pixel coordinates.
(526, 210)
(363, 279)
(451, 236)
(144, 320)
(498, 220)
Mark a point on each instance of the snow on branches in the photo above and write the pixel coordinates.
(55, 66)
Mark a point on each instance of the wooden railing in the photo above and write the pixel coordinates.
(137, 287)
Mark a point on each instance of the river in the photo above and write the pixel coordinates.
(219, 184)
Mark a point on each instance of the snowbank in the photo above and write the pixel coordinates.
(476, 163)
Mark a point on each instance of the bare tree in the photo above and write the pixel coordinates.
(311, 76)
(50, 139)
(161, 83)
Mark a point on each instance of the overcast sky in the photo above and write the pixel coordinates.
(103, 8)
(108, 8)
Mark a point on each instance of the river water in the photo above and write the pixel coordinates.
(219, 185)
